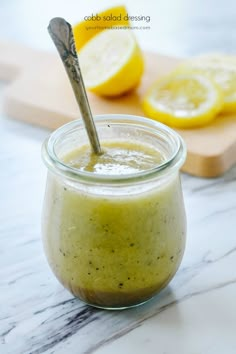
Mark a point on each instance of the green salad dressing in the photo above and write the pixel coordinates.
(111, 249)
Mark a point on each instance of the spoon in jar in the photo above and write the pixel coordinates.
(62, 36)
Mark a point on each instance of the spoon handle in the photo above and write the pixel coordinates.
(62, 36)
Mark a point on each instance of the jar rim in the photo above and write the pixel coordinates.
(54, 163)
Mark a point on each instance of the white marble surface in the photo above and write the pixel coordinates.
(196, 314)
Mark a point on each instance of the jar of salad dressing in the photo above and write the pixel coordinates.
(114, 225)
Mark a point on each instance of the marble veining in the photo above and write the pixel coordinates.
(39, 316)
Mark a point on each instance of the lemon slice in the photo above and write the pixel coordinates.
(87, 29)
(111, 62)
(216, 58)
(222, 69)
(183, 100)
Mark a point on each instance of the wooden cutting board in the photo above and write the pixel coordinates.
(39, 93)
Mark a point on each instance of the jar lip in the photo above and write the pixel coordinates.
(174, 162)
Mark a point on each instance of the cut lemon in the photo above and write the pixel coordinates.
(222, 69)
(111, 62)
(216, 58)
(87, 29)
(183, 100)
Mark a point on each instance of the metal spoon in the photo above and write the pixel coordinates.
(62, 36)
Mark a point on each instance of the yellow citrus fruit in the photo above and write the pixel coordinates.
(111, 62)
(222, 69)
(185, 100)
(87, 29)
(216, 58)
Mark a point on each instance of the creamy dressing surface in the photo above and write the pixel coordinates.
(114, 251)
(118, 157)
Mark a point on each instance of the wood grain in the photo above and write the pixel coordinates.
(44, 97)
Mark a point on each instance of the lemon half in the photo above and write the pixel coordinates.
(111, 62)
(85, 30)
(185, 100)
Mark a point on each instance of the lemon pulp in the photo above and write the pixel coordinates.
(183, 100)
(111, 62)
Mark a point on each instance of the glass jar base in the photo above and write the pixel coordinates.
(118, 308)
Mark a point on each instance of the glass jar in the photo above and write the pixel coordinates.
(114, 241)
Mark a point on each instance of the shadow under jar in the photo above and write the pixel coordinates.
(114, 239)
